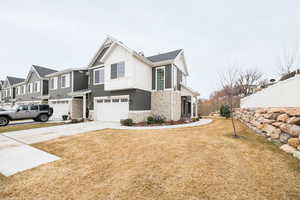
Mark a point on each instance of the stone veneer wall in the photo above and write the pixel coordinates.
(139, 116)
(279, 125)
(161, 104)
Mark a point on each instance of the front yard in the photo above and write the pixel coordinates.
(187, 163)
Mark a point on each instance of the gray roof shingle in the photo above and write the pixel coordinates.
(14, 80)
(164, 56)
(43, 71)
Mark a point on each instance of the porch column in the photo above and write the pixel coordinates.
(84, 107)
(192, 106)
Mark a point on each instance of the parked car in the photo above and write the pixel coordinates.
(40, 113)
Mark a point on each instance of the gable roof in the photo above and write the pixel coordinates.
(14, 80)
(43, 71)
(171, 55)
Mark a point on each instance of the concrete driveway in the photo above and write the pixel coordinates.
(17, 155)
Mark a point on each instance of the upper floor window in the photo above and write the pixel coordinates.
(65, 81)
(29, 88)
(117, 70)
(53, 83)
(23, 89)
(175, 77)
(36, 86)
(160, 78)
(99, 76)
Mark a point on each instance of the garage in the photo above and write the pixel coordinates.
(111, 109)
(60, 108)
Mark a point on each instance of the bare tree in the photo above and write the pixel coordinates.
(228, 82)
(248, 81)
(288, 61)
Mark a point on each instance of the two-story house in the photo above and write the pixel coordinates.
(66, 90)
(8, 92)
(126, 84)
(35, 88)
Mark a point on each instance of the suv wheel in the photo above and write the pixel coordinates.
(43, 118)
(4, 121)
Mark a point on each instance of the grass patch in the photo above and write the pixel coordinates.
(26, 127)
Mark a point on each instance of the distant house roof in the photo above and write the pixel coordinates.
(14, 80)
(171, 55)
(43, 71)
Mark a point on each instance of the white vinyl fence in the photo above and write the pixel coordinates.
(282, 94)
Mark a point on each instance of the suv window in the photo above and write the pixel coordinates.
(34, 107)
(24, 107)
(44, 107)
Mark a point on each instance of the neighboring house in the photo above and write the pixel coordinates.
(35, 89)
(9, 91)
(66, 90)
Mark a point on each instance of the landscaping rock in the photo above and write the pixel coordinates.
(293, 112)
(294, 120)
(287, 148)
(294, 142)
(271, 131)
(261, 111)
(277, 124)
(284, 137)
(272, 116)
(293, 130)
(296, 154)
(276, 110)
(283, 118)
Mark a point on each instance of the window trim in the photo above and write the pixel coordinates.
(164, 68)
(94, 75)
(61, 83)
(55, 79)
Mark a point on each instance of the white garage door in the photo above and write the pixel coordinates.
(112, 110)
(60, 108)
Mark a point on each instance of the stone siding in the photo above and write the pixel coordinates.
(139, 116)
(166, 104)
(279, 125)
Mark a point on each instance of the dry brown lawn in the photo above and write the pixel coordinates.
(187, 163)
(20, 127)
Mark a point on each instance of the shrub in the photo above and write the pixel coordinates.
(225, 111)
(127, 122)
(159, 119)
(65, 117)
(150, 120)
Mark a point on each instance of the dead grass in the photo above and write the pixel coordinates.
(187, 163)
(26, 126)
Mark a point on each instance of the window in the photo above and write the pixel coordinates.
(99, 76)
(34, 107)
(124, 100)
(23, 89)
(117, 70)
(29, 88)
(53, 83)
(160, 78)
(17, 90)
(44, 107)
(65, 81)
(24, 107)
(36, 86)
(107, 101)
(116, 100)
(100, 101)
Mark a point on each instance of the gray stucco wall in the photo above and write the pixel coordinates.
(80, 80)
(30, 96)
(61, 93)
(168, 76)
(139, 99)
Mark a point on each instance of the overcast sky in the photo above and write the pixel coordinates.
(214, 34)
